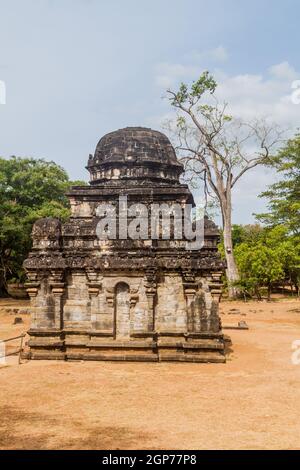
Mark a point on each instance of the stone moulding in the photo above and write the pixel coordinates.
(143, 346)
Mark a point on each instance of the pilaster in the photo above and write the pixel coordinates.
(151, 293)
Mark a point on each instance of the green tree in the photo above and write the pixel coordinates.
(259, 266)
(288, 249)
(271, 256)
(218, 150)
(284, 196)
(29, 189)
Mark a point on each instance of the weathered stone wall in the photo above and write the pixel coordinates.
(77, 304)
(171, 312)
(84, 308)
(43, 307)
(138, 306)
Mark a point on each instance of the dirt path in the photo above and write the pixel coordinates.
(252, 402)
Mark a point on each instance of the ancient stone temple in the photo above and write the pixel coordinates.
(122, 298)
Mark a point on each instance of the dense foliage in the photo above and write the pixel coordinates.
(284, 196)
(268, 256)
(29, 189)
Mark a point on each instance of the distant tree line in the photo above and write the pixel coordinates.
(218, 150)
(268, 255)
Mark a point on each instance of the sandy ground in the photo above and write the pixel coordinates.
(251, 402)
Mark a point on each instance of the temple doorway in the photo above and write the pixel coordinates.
(122, 310)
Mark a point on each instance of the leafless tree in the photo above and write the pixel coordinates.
(219, 150)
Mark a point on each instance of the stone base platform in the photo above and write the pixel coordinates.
(141, 347)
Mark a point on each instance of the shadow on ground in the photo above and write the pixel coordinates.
(13, 434)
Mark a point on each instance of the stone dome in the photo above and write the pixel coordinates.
(134, 153)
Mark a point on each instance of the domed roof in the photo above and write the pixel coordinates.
(134, 152)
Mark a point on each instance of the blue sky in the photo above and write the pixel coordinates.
(76, 69)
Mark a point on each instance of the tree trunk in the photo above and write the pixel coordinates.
(231, 271)
(257, 293)
(269, 292)
(3, 291)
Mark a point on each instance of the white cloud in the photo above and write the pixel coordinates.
(2, 92)
(252, 96)
(217, 54)
(283, 71)
(168, 74)
(249, 96)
